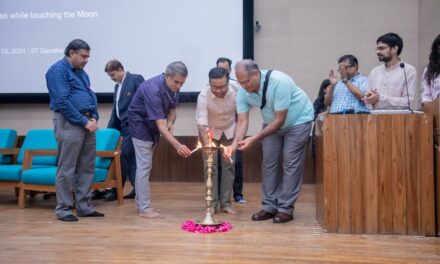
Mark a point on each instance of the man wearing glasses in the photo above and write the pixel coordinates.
(237, 189)
(152, 113)
(388, 86)
(345, 95)
(215, 114)
(287, 120)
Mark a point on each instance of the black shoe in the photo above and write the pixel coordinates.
(110, 196)
(97, 194)
(68, 218)
(48, 195)
(93, 214)
(131, 195)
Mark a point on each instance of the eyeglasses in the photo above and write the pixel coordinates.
(346, 67)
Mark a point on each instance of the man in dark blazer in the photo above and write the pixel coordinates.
(126, 86)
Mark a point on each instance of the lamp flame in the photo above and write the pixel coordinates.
(199, 146)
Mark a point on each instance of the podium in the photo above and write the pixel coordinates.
(375, 174)
(434, 109)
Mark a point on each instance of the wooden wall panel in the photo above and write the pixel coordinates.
(169, 166)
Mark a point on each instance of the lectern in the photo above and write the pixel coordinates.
(375, 174)
(434, 109)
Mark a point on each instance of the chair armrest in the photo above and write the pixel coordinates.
(9, 151)
(107, 153)
(30, 153)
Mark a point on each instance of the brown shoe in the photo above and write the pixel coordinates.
(282, 218)
(262, 215)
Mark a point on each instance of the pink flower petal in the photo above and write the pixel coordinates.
(193, 227)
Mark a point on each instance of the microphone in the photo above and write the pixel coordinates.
(402, 65)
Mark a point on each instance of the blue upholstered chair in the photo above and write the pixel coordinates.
(10, 174)
(8, 139)
(107, 168)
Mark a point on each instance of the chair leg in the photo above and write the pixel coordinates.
(120, 193)
(22, 198)
(17, 191)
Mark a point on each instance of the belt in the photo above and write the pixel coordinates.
(86, 114)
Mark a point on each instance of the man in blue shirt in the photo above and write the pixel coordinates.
(152, 113)
(287, 120)
(75, 122)
(345, 95)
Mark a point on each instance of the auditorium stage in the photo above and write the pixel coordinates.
(34, 235)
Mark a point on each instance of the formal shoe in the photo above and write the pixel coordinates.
(110, 196)
(97, 194)
(240, 200)
(48, 195)
(262, 215)
(282, 218)
(93, 214)
(229, 210)
(68, 218)
(131, 195)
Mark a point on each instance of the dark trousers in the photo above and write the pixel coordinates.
(128, 158)
(238, 180)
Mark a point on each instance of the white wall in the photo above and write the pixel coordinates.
(429, 21)
(303, 38)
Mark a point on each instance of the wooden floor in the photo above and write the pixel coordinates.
(34, 235)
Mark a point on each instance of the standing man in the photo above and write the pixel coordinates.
(287, 119)
(216, 113)
(152, 113)
(75, 122)
(387, 83)
(238, 180)
(125, 88)
(345, 95)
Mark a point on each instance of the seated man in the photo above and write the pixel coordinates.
(345, 95)
(216, 112)
(391, 85)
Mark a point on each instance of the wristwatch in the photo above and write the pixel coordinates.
(345, 80)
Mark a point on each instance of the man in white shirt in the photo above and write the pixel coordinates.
(237, 190)
(388, 86)
(215, 115)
